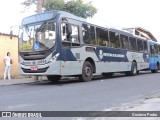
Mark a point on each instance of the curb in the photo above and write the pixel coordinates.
(15, 82)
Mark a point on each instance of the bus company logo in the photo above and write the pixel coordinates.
(33, 62)
(100, 54)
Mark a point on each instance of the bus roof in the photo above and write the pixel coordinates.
(49, 15)
(153, 42)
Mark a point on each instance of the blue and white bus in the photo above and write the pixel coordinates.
(154, 59)
(57, 44)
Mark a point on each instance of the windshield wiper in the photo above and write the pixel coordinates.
(27, 32)
(41, 28)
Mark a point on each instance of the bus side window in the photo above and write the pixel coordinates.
(159, 49)
(124, 41)
(64, 38)
(72, 38)
(92, 35)
(114, 40)
(63, 32)
(139, 45)
(156, 49)
(145, 46)
(132, 44)
(75, 36)
(88, 33)
(102, 37)
(152, 49)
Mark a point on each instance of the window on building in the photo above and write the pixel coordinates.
(124, 42)
(132, 43)
(140, 45)
(137, 33)
(88, 32)
(102, 37)
(114, 40)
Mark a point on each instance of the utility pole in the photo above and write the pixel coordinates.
(39, 10)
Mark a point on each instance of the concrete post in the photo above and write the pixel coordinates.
(35, 78)
(39, 10)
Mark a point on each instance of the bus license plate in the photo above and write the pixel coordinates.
(34, 68)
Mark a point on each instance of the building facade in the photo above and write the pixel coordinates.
(141, 32)
(9, 45)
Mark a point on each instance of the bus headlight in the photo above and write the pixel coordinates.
(54, 57)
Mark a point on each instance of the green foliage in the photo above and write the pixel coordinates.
(28, 3)
(76, 7)
(54, 5)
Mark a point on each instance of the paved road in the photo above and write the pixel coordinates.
(100, 94)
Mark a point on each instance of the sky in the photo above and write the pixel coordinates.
(114, 13)
(12, 15)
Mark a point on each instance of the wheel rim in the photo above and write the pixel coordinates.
(87, 71)
(134, 70)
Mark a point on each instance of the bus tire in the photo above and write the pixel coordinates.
(156, 70)
(107, 74)
(87, 72)
(133, 71)
(54, 78)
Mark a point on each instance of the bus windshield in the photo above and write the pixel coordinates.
(37, 37)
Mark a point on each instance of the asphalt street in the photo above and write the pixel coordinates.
(72, 95)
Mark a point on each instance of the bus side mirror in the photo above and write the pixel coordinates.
(68, 29)
(11, 34)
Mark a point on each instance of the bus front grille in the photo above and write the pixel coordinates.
(42, 70)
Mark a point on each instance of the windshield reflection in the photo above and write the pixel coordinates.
(37, 38)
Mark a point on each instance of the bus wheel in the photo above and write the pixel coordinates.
(156, 70)
(133, 69)
(107, 74)
(87, 72)
(54, 78)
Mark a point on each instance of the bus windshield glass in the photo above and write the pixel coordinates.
(37, 37)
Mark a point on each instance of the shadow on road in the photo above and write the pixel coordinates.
(73, 80)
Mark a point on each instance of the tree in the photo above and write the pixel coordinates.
(54, 5)
(28, 3)
(76, 7)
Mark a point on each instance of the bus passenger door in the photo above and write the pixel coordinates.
(65, 51)
(70, 49)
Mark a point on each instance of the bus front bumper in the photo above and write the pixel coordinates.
(52, 68)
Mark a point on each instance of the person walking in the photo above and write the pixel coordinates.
(8, 61)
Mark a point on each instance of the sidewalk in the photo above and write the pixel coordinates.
(26, 80)
(16, 81)
(148, 104)
(21, 81)
(151, 104)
